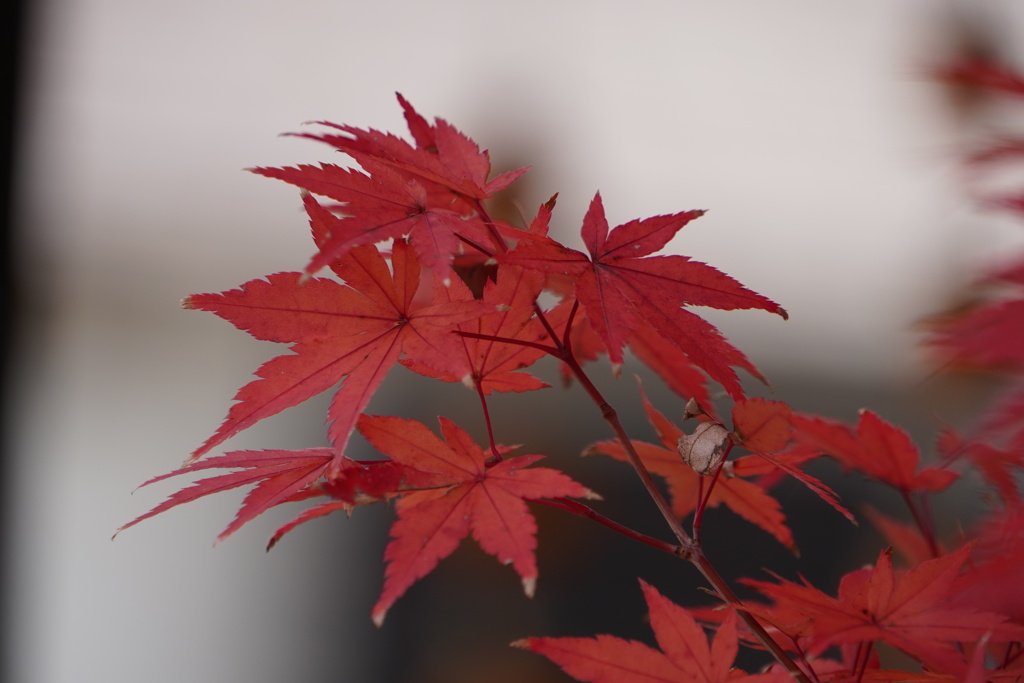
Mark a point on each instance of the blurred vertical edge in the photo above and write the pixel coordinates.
(14, 16)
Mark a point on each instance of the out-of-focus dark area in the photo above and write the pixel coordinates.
(11, 64)
(828, 160)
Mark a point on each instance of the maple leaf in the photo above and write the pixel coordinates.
(353, 483)
(620, 285)
(985, 74)
(679, 373)
(377, 207)
(877, 448)
(746, 499)
(997, 557)
(495, 365)
(905, 538)
(684, 656)
(278, 475)
(762, 426)
(430, 192)
(443, 155)
(765, 427)
(911, 612)
(356, 331)
(1006, 415)
(459, 495)
(999, 466)
(987, 335)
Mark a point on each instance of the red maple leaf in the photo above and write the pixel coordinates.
(352, 483)
(429, 192)
(997, 565)
(377, 207)
(357, 332)
(278, 476)
(762, 426)
(495, 365)
(745, 498)
(985, 74)
(443, 155)
(876, 448)
(912, 612)
(620, 286)
(999, 466)
(765, 427)
(706, 348)
(986, 333)
(905, 538)
(684, 656)
(459, 494)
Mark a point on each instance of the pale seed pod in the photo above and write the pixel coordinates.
(704, 449)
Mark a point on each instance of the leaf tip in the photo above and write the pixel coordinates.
(529, 585)
(194, 456)
(378, 617)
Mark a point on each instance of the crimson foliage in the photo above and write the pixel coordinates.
(421, 274)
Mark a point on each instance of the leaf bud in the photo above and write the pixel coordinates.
(692, 409)
(705, 448)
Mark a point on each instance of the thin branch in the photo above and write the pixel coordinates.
(495, 453)
(697, 558)
(482, 250)
(492, 228)
(612, 418)
(703, 497)
(923, 524)
(506, 340)
(589, 513)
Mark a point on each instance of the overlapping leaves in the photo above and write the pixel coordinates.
(620, 284)
(475, 316)
(685, 654)
(356, 331)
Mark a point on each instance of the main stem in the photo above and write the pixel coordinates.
(689, 549)
(611, 416)
(697, 558)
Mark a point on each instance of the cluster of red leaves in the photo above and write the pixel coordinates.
(958, 614)
(421, 275)
(425, 202)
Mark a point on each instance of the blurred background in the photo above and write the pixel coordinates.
(827, 159)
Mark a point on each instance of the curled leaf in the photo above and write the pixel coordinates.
(705, 449)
